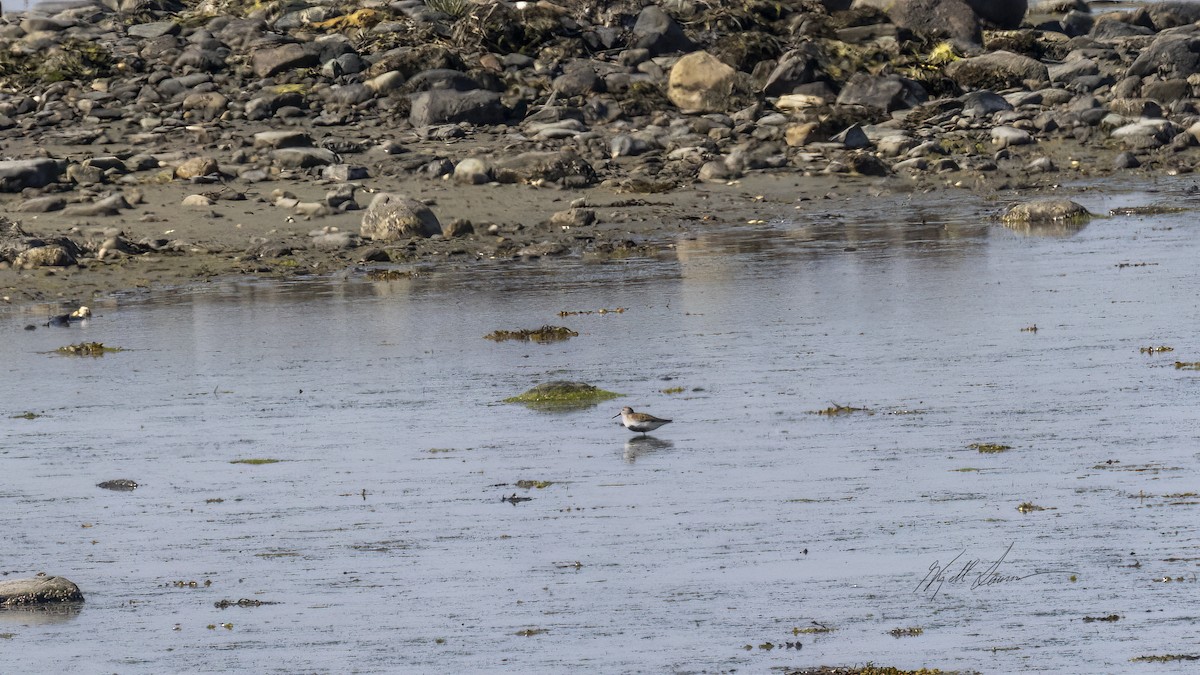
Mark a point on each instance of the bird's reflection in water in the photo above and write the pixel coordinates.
(644, 445)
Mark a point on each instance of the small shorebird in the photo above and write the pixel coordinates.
(639, 422)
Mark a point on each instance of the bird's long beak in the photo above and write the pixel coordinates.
(615, 416)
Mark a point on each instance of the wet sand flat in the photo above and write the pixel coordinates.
(828, 376)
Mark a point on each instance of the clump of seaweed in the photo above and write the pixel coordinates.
(1150, 210)
(87, 349)
(243, 602)
(837, 409)
(565, 313)
(869, 669)
(1156, 350)
(1029, 507)
(255, 461)
(539, 484)
(990, 448)
(1163, 658)
(912, 631)
(1110, 617)
(562, 395)
(390, 275)
(1187, 365)
(541, 335)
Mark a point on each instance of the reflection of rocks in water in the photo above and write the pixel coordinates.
(29, 615)
(643, 445)
(1060, 229)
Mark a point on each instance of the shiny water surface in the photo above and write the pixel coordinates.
(381, 541)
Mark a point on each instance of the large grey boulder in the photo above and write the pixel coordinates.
(999, 70)
(565, 168)
(952, 19)
(275, 60)
(445, 106)
(38, 590)
(1046, 211)
(1006, 14)
(882, 92)
(18, 174)
(393, 216)
(1173, 54)
(303, 158)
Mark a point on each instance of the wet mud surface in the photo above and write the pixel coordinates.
(339, 451)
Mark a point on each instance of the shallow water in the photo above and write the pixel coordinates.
(382, 539)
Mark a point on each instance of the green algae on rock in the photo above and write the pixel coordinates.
(990, 448)
(563, 395)
(87, 349)
(1040, 211)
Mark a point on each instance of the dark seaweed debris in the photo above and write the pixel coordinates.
(540, 335)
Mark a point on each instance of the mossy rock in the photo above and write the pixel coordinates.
(542, 335)
(563, 395)
(1059, 211)
(88, 349)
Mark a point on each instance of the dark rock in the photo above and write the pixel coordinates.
(1107, 30)
(795, 68)
(984, 104)
(658, 33)
(1005, 14)
(935, 19)
(342, 173)
(42, 204)
(457, 228)
(119, 485)
(998, 70)
(274, 60)
(1171, 55)
(882, 92)
(1076, 23)
(1167, 91)
(439, 78)
(303, 158)
(108, 206)
(578, 79)
(348, 94)
(1126, 160)
(451, 107)
(565, 168)
(574, 217)
(852, 138)
(18, 174)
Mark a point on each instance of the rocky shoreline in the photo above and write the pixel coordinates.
(155, 143)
